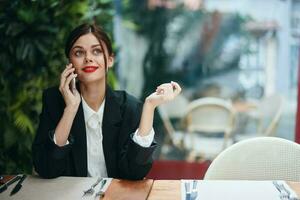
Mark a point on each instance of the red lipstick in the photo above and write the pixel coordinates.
(89, 69)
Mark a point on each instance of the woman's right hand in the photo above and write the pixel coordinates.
(72, 99)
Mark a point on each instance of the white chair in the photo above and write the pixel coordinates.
(260, 158)
(266, 116)
(207, 118)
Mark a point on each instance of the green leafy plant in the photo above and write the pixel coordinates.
(32, 36)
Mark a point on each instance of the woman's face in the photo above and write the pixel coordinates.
(87, 57)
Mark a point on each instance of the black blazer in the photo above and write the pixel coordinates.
(124, 158)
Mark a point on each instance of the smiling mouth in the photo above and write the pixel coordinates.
(89, 69)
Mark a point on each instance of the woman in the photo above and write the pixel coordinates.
(89, 129)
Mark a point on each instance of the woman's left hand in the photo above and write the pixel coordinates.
(164, 93)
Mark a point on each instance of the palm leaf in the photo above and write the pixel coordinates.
(23, 122)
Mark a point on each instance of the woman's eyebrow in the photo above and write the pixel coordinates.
(80, 47)
(95, 45)
(77, 47)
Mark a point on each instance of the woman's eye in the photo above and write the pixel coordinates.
(97, 51)
(78, 53)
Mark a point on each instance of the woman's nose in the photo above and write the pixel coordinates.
(88, 58)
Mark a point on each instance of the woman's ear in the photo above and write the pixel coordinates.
(111, 60)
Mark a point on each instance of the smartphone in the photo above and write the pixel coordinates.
(73, 85)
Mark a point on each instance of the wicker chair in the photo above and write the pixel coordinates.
(210, 122)
(260, 158)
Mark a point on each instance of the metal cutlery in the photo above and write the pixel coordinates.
(188, 191)
(91, 190)
(18, 186)
(191, 191)
(194, 193)
(284, 193)
(5, 185)
(101, 192)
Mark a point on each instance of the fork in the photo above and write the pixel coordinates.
(284, 194)
(288, 192)
(91, 190)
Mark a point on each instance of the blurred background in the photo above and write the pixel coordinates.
(237, 62)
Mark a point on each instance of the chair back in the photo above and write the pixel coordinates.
(270, 110)
(260, 158)
(210, 115)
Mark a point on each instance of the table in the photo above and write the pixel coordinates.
(72, 188)
(244, 106)
(66, 188)
(165, 190)
(170, 189)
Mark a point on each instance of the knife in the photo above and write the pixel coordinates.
(101, 191)
(187, 190)
(18, 186)
(11, 181)
(194, 193)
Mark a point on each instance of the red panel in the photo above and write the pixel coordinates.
(174, 169)
(297, 135)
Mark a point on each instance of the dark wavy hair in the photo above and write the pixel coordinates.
(97, 31)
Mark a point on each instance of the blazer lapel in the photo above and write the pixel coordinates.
(110, 127)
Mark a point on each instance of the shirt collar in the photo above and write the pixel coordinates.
(89, 112)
